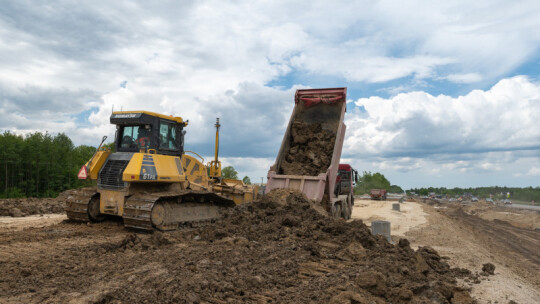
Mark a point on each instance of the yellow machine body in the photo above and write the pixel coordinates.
(94, 165)
(154, 168)
(155, 186)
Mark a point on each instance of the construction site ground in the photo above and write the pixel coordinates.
(278, 254)
(471, 235)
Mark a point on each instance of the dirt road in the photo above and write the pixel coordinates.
(470, 236)
(516, 247)
(470, 241)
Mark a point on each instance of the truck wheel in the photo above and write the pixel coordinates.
(333, 211)
(336, 211)
(350, 205)
(337, 191)
(345, 211)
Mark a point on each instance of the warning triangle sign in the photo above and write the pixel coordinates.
(83, 173)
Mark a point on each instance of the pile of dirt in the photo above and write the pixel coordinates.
(17, 207)
(310, 150)
(488, 269)
(336, 261)
(277, 250)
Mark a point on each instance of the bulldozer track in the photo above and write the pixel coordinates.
(171, 211)
(163, 210)
(77, 204)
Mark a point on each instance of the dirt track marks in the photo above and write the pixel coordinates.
(522, 246)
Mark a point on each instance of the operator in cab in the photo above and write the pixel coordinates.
(143, 138)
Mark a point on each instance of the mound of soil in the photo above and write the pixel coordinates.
(310, 150)
(18, 207)
(276, 250)
(488, 269)
(332, 260)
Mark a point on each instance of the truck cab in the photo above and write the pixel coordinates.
(346, 179)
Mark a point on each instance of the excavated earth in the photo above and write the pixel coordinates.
(17, 207)
(310, 151)
(277, 250)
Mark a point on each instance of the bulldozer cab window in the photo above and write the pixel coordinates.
(143, 137)
(129, 137)
(167, 136)
(135, 137)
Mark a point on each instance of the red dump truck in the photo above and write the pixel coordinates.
(346, 178)
(308, 159)
(378, 194)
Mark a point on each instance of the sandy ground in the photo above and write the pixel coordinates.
(410, 215)
(469, 239)
(8, 223)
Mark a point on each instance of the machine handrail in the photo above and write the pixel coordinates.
(202, 158)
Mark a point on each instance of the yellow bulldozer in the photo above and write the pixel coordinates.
(150, 181)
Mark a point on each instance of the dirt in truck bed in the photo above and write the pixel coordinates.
(310, 151)
(277, 250)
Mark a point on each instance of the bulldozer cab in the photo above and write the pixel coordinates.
(145, 131)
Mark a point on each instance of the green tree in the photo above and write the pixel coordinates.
(40, 164)
(229, 172)
(246, 180)
(369, 181)
(109, 146)
(395, 189)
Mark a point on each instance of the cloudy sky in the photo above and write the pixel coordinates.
(440, 94)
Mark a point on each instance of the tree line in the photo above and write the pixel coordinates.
(522, 194)
(40, 164)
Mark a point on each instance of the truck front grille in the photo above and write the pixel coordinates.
(110, 176)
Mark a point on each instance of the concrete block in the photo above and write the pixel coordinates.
(381, 227)
(395, 207)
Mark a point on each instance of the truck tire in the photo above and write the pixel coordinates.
(337, 191)
(345, 210)
(350, 204)
(336, 211)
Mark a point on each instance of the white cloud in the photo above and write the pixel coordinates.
(212, 46)
(253, 167)
(452, 173)
(253, 117)
(404, 164)
(489, 166)
(534, 171)
(464, 78)
(205, 59)
(504, 118)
